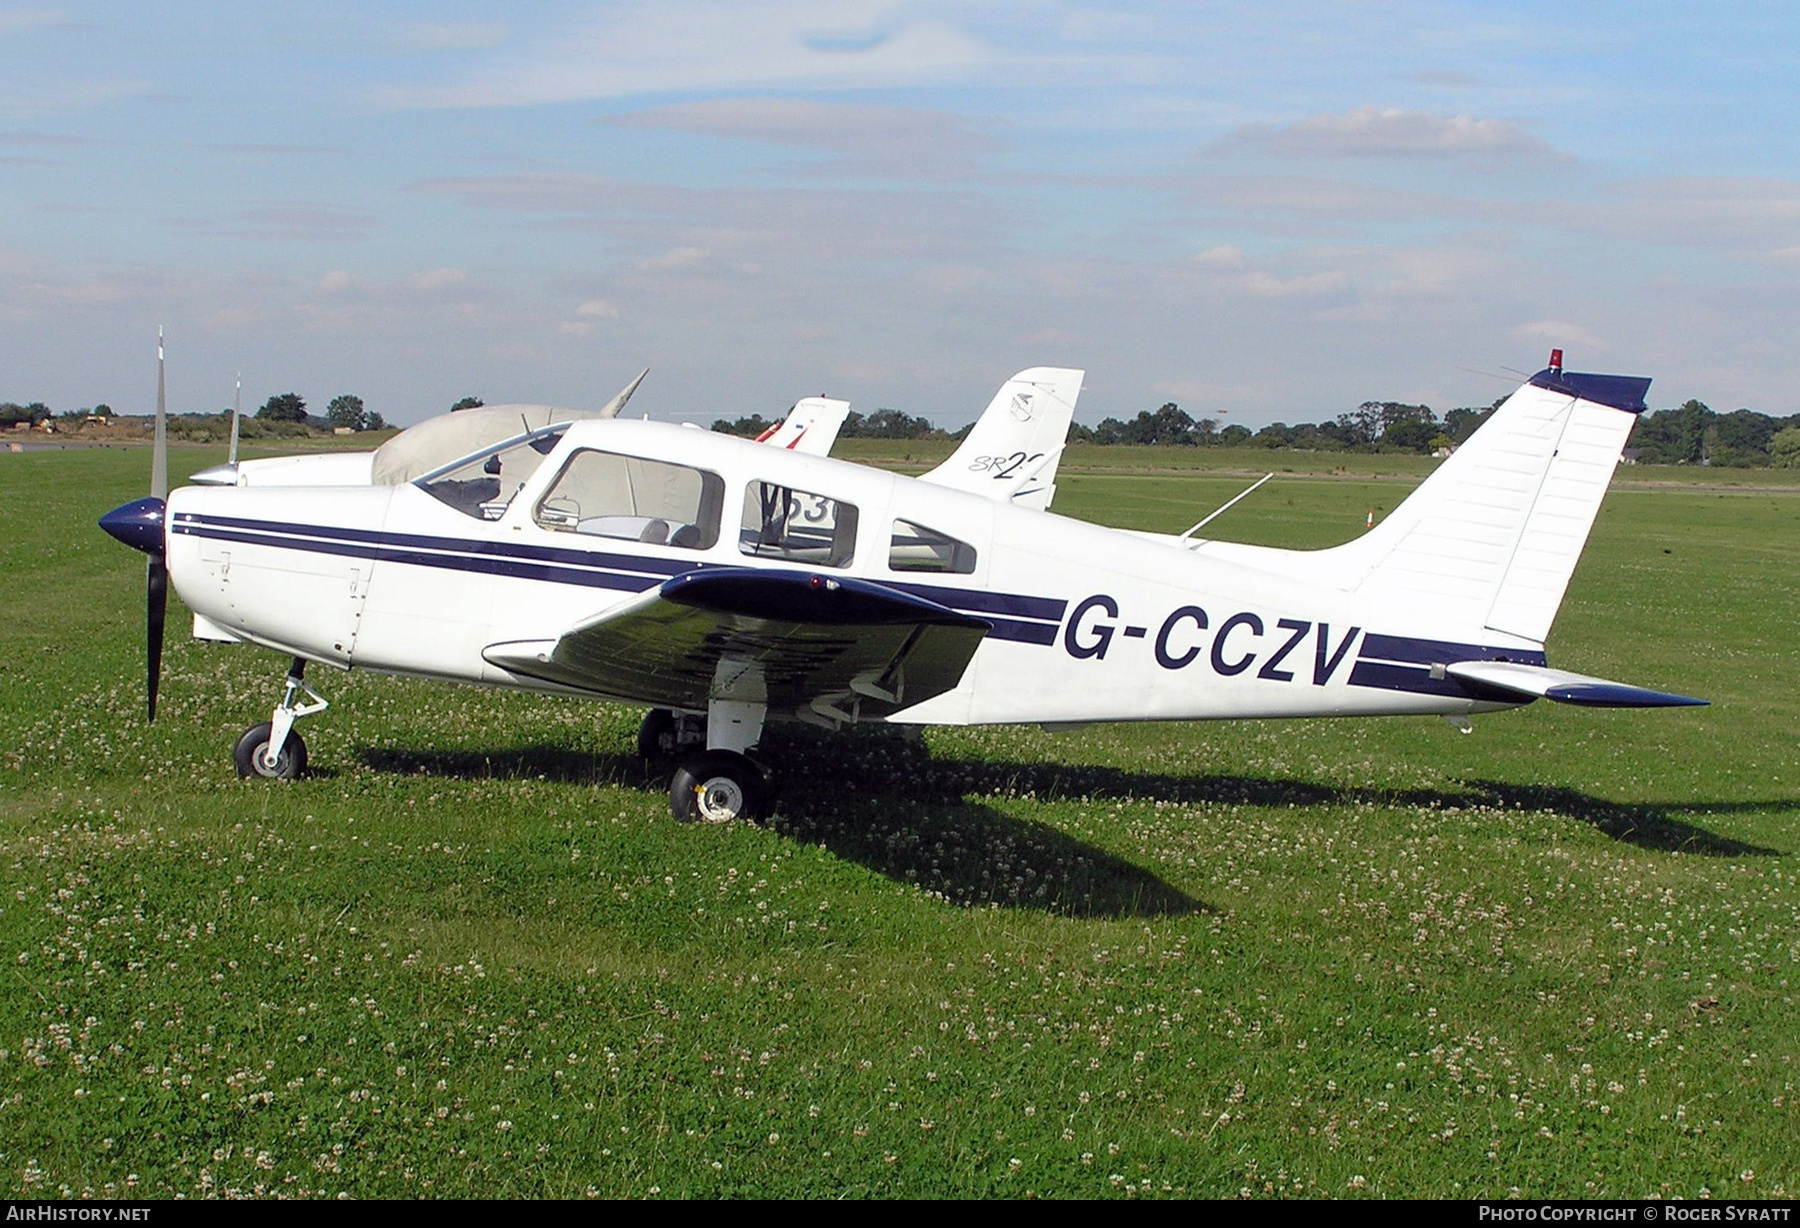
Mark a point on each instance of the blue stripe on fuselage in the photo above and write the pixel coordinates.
(1404, 663)
(587, 568)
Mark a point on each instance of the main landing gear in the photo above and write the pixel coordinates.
(273, 750)
(717, 784)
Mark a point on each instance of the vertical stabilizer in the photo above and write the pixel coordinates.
(1490, 539)
(811, 426)
(1012, 451)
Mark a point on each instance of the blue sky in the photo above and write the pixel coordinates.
(1261, 211)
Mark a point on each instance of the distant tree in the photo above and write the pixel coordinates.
(1747, 434)
(38, 412)
(1361, 427)
(1234, 436)
(468, 403)
(1459, 424)
(283, 407)
(103, 410)
(890, 424)
(376, 422)
(1673, 436)
(347, 411)
(1784, 448)
(1413, 435)
(749, 427)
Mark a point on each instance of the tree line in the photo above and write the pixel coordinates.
(1690, 435)
(882, 424)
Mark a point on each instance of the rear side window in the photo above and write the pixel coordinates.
(913, 547)
(604, 494)
(782, 523)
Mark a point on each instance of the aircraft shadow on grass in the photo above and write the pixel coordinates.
(881, 800)
(924, 835)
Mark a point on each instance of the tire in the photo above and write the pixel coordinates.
(663, 735)
(719, 786)
(656, 736)
(248, 754)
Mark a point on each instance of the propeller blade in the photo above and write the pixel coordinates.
(159, 456)
(156, 600)
(156, 576)
(237, 409)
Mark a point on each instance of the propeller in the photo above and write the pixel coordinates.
(156, 571)
(139, 524)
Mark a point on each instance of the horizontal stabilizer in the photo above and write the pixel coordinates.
(1513, 680)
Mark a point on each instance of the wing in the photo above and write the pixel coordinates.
(1513, 681)
(805, 644)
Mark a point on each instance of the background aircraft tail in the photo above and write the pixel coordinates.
(811, 426)
(1012, 452)
(1490, 539)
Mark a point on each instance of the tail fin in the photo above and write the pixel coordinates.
(611, 408)
(1490, 539)
(811, 426)
(1011, 453)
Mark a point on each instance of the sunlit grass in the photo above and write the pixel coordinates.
(474, 955)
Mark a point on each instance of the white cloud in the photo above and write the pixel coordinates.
(438, 279)
(1224, 256)
(675, 258)
(462, 36)
(652, 48)
(1372, 132)
(1313, 285)
(14, 20)
(1558, 333)
(598, 308)
(882, 141)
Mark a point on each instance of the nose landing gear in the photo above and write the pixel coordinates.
(272, 750)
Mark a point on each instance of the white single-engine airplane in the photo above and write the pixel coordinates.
(724, 584)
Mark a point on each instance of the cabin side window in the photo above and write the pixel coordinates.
(913, 547)
(631, 498)
(783, 523)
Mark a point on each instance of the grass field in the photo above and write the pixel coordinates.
(474, 956)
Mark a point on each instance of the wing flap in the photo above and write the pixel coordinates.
(1541, 682)
(787, 639)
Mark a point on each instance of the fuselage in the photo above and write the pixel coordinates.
(1088, 623)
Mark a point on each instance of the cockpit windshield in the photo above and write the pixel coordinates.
(483, 485)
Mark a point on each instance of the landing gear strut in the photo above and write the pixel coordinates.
(273, 750)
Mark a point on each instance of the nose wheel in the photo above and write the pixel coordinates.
(272, 750)
(252, 754)
(719, 786)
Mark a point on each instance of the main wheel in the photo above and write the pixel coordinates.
(290, 764)
(663, 735)
(656, 736)
(719, 786)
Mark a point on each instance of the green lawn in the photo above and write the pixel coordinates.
(474, 956)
